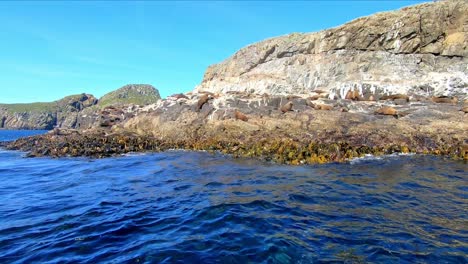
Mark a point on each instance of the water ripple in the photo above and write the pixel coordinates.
(186, 207)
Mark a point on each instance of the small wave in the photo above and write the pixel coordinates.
(135, 154)
(370, 157)
(186, 208)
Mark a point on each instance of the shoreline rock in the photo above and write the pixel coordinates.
(303, 135)
(393, 82)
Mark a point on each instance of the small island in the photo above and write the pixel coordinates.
(393, 82)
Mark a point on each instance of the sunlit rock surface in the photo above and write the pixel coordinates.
(420, 50)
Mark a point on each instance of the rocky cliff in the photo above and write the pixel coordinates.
(418, 50)
(45, 115)
(75, 111)
(368, 87)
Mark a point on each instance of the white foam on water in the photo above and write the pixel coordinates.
(370, 157)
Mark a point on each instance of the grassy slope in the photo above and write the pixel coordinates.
(43, 107)
(124, 95)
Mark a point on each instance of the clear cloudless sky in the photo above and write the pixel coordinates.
(52, 49)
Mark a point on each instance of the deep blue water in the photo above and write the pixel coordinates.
(6, 135)
(194, 207)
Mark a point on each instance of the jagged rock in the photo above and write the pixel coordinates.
(420, 49)
(62, 112)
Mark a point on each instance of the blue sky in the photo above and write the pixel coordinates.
(52, 49)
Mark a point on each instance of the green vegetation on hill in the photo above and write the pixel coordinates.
(30, 107)
(42, 107)
(139, 94)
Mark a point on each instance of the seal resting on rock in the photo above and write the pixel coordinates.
(444, 100)
(323, 107)
(464, 109)
(202, 100)
(387, 110)
(241, 116)
(349, 95)
(314, 97)
(394, 97)
(287, 107)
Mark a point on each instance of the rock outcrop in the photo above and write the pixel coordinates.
(256, 126)
(418, 50)
(45, 115)
(76, 111)
(389, 83)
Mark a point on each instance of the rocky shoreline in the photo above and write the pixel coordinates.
(284, 129)
(393, 82)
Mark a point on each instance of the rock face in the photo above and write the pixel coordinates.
(75, 111)
(45, 115)
(418, 50)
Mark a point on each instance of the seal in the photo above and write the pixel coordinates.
(387, 110)
(464, 109)
(352, 95)
(241, 116)
(444, 100)
(314, 97)
(287, 107)
(349, 95)
(356, 95)
(323, 107)
(291, 97)
(394, 97)
(202, 100)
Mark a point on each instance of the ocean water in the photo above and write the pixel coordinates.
(195, 207)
